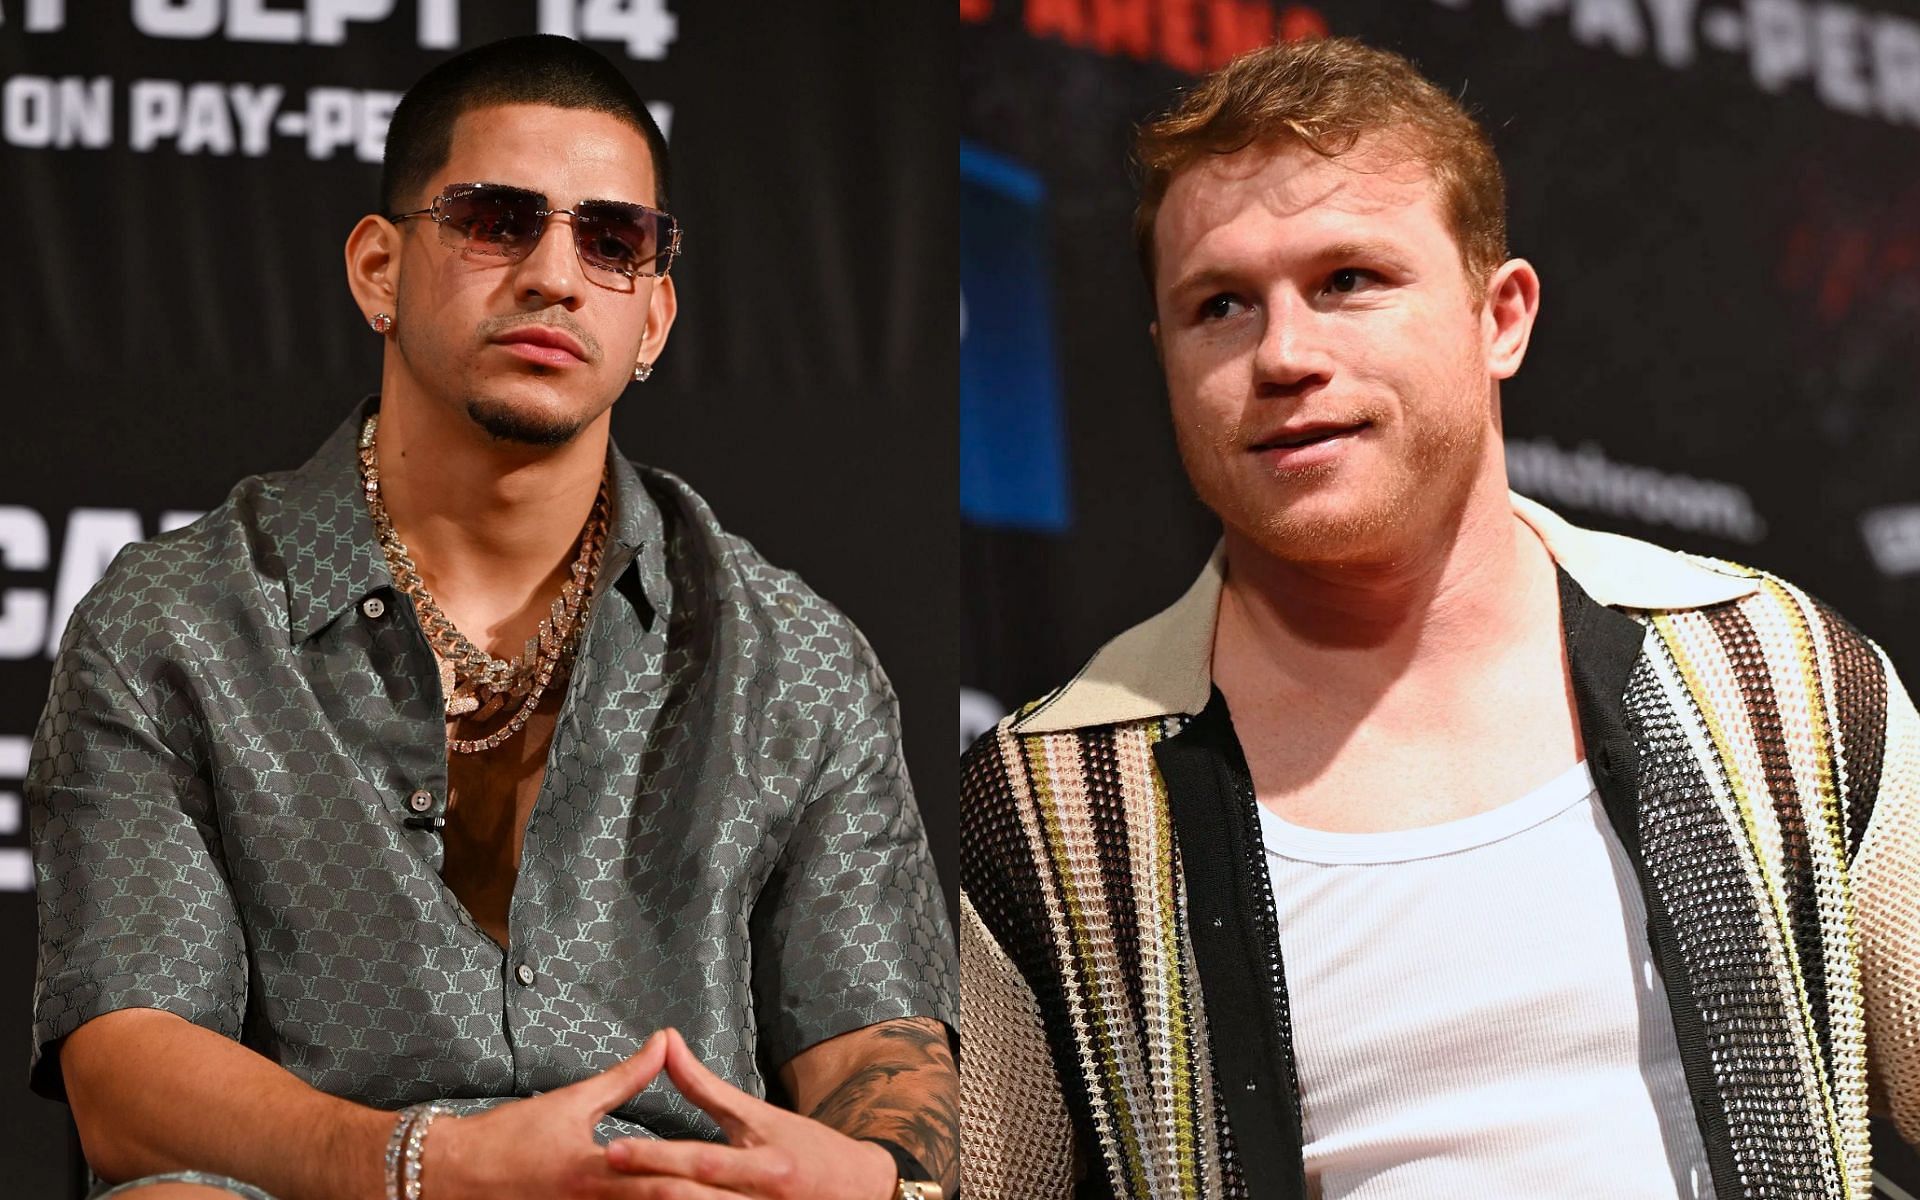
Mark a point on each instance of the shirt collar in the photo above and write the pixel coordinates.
(1164, 665)
(316, 521)
(636, 554)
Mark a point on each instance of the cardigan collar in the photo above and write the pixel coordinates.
(1164, 665)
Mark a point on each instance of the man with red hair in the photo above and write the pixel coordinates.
(1429, 845)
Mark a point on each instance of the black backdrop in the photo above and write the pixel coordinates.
(1720, 198)
(175, 314)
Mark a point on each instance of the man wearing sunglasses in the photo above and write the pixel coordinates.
(403, 821)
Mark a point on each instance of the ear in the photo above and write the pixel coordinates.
(373, 265)
(662, 307)
(1506, 316)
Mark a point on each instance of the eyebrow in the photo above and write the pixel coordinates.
(1385, 253)
(1205, 278)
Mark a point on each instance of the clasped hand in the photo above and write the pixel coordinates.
(543, 1147)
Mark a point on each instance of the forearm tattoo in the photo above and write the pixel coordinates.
(906, 1092)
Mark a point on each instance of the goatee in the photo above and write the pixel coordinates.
(506, 423)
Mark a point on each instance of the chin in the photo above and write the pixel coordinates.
(1312, 519)
(1303, 536)
(526, 421)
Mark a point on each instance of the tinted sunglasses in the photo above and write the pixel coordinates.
(617, 242)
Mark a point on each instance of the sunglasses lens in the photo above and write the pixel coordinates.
(620, 239)
(617, 242)
(490, 220)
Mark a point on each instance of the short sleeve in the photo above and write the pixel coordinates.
(134, 911)
(1887, 896)
(851, 928)
(1013, 1117)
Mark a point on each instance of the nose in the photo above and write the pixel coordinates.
(550, 273)
(1290, 359)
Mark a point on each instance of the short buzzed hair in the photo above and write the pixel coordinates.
(535, 69)
(1326, 94)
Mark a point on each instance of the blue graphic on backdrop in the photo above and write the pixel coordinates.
(1013, 453)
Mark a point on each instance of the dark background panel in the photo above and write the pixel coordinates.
(173, 321)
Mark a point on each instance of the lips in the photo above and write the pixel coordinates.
(544, 342)
(1307, 434)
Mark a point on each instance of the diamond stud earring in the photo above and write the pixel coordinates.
(380, 323)
(641, 370)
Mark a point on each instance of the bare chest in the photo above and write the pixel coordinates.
(490, 797)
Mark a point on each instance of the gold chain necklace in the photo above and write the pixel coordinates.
(473, 681)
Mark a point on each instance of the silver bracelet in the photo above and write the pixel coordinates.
(416, 1147)
(396, 1144)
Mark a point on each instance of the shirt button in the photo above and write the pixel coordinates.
(524, 974)
(374, 607)
(420, 801)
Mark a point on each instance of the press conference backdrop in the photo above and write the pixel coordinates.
(1722, 198)
(178, 177)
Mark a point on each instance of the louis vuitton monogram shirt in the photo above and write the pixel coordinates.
(245, 715)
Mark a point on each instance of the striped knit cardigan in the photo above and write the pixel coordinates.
(1124, 1014)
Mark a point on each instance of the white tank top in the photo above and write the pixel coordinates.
(1476, 1012)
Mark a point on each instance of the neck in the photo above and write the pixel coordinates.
(1449, 594)
(491, 525)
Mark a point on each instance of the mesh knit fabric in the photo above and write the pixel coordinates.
(1778, 823)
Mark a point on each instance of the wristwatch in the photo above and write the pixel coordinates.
(919, 1189)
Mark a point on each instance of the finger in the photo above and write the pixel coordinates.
(719, 1099)
(758, 1170)
(672, 1187)
(623, 1081)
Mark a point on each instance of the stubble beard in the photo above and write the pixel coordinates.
(1288, 519)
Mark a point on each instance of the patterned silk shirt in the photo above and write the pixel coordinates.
(245, 714)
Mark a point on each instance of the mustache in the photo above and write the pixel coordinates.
(493, 327)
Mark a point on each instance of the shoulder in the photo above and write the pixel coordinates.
(1039, 808)
(1772, 617)
(1750, 619)
(1757, 657)
(1779, 642)
(215, 573)
(1012, 769)
(811, 643)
